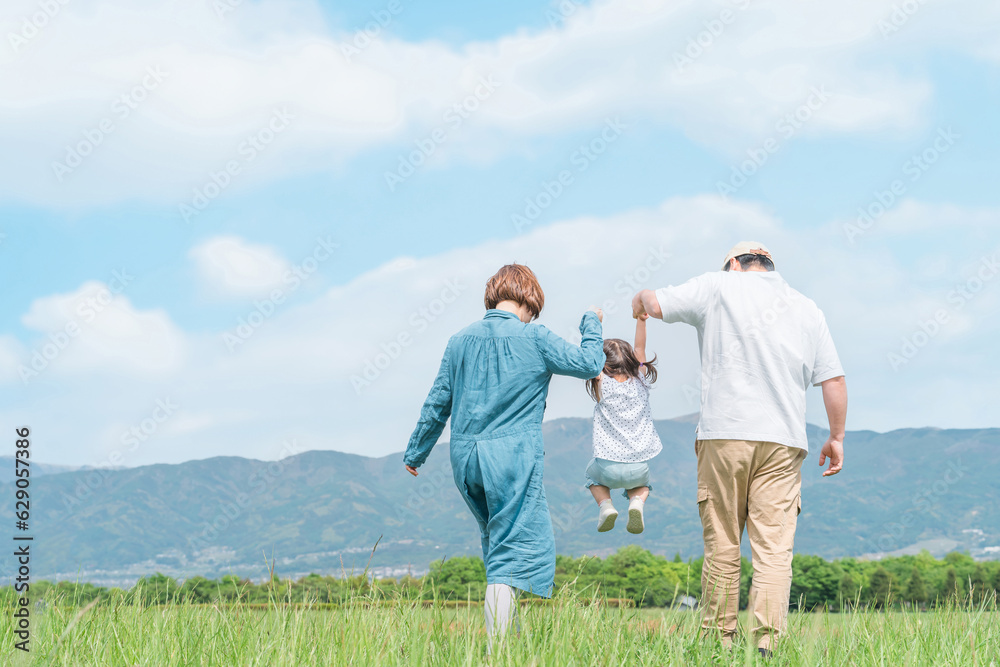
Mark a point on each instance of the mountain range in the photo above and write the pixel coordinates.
(323, 511)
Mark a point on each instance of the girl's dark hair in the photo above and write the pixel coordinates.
(621, 361)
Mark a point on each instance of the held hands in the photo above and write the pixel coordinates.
(644, 303)
(600, 313)
(638, 308)
(834, 450)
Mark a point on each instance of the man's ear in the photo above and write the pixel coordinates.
(734, 265)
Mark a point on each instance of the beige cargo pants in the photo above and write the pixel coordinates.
(756, 485)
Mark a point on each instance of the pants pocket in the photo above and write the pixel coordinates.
(705, 515)
(702, 495)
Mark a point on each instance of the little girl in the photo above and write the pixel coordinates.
(624, 436)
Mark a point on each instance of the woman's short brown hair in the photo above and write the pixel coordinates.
(517, 283)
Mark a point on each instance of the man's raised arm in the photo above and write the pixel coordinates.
(645, 302)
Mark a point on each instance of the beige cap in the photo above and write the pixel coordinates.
(747, 248)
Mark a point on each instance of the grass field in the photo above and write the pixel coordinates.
(562, 633)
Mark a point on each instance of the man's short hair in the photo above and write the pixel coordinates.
(517, 283)
(752, 260)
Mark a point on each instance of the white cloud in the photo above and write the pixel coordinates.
(231, 266)
(223, 78)
(912, 216)
(97, 330)
(293, 377)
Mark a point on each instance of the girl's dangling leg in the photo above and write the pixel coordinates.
(637, 500)
(607, 515)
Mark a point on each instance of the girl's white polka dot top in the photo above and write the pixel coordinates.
(623, 422)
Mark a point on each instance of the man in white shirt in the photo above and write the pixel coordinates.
(762, 345)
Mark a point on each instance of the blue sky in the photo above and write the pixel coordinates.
(450, 21)
(355, 115)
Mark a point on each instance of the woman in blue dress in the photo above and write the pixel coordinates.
(492, 383)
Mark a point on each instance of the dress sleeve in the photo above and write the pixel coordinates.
(690, 302)
(433, 416)
(563, 358)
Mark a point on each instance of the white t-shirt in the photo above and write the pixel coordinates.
(762, 344)
(623, 422)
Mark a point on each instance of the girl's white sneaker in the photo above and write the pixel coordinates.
(635, 521)
(607, 516)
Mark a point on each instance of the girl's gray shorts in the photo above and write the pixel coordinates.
(616, 475)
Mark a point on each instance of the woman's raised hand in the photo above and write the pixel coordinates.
(600, 313)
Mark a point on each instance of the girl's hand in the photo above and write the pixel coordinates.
(643, 317)
(600, 313)
(412, 470)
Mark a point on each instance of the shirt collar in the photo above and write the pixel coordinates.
(493, 312)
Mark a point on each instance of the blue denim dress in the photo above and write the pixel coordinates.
(492, 383)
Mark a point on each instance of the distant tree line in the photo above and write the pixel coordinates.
(632, 574)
